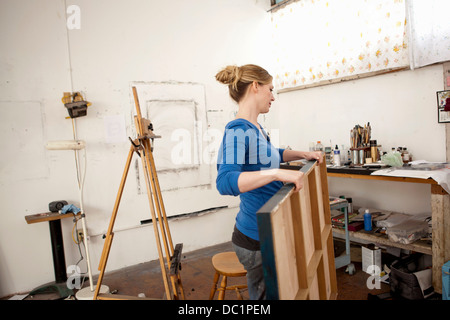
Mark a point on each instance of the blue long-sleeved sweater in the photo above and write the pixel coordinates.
(244, 148)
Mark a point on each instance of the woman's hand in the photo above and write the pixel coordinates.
(314, 155)
(291, 176)
(292, 155)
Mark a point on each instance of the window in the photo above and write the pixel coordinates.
(319, 42)
(429, 31)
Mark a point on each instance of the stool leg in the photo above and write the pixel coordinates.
(223, 287)
(239, 296)
(214, 287)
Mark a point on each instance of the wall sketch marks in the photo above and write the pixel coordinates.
(177, 111)
(23, 141)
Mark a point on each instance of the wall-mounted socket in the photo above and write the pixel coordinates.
(80, 235)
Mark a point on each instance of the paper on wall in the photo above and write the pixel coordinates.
(114, 129)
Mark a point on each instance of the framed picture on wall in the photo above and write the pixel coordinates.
(443, 102)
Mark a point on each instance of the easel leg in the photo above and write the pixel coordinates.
(162, 218)
(145, 165)
(110, 234)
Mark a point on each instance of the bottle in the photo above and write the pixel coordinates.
(401, 150)
(319, 146)
(343, 155)
(367, 221)
(405, 155)
(337, 157)
(379, 152)
(342, 197)
(328, 157)
(374, 150)
(350, 205)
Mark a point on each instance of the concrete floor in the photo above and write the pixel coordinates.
(197, 275)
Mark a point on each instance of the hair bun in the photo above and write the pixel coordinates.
(229, 75)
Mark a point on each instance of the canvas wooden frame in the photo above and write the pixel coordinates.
(297, 240)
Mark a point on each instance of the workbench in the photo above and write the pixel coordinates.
(439, 249)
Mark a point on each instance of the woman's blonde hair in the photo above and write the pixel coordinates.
(238, 79)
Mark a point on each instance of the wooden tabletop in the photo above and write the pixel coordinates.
(47, 216)
(362, 173)
(382, 178)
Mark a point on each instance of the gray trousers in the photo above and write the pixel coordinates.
(252, 262)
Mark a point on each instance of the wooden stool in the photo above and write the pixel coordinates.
(226, 265)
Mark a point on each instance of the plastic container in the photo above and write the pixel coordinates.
(367, 221)
(319, 146)
(408, 232)
(337, 157)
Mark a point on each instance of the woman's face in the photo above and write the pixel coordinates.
(265, 97)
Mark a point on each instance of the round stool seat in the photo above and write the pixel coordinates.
(227, 264)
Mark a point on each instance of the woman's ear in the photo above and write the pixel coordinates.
(255, 86)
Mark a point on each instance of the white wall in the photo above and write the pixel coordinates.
(401, 108)
(118, 43)
(123, 42)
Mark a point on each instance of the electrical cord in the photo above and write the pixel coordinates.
(78, 241)
(81, 176)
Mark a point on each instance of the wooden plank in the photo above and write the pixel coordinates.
(284, 245)
(47, 216)
(314, 212)
(300, 249)
(307, 224)
(320, 200)
(326, 290)
(329, 250)
(296, 240)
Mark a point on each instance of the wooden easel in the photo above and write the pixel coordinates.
(142, 146)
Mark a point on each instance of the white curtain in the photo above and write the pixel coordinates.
(429, 31)
(317, 40)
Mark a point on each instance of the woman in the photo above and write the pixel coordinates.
(248, 164)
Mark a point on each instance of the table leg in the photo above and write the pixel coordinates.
(59, 264)
(59, 260)
(440, 210)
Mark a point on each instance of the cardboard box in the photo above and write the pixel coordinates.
(371, 257)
